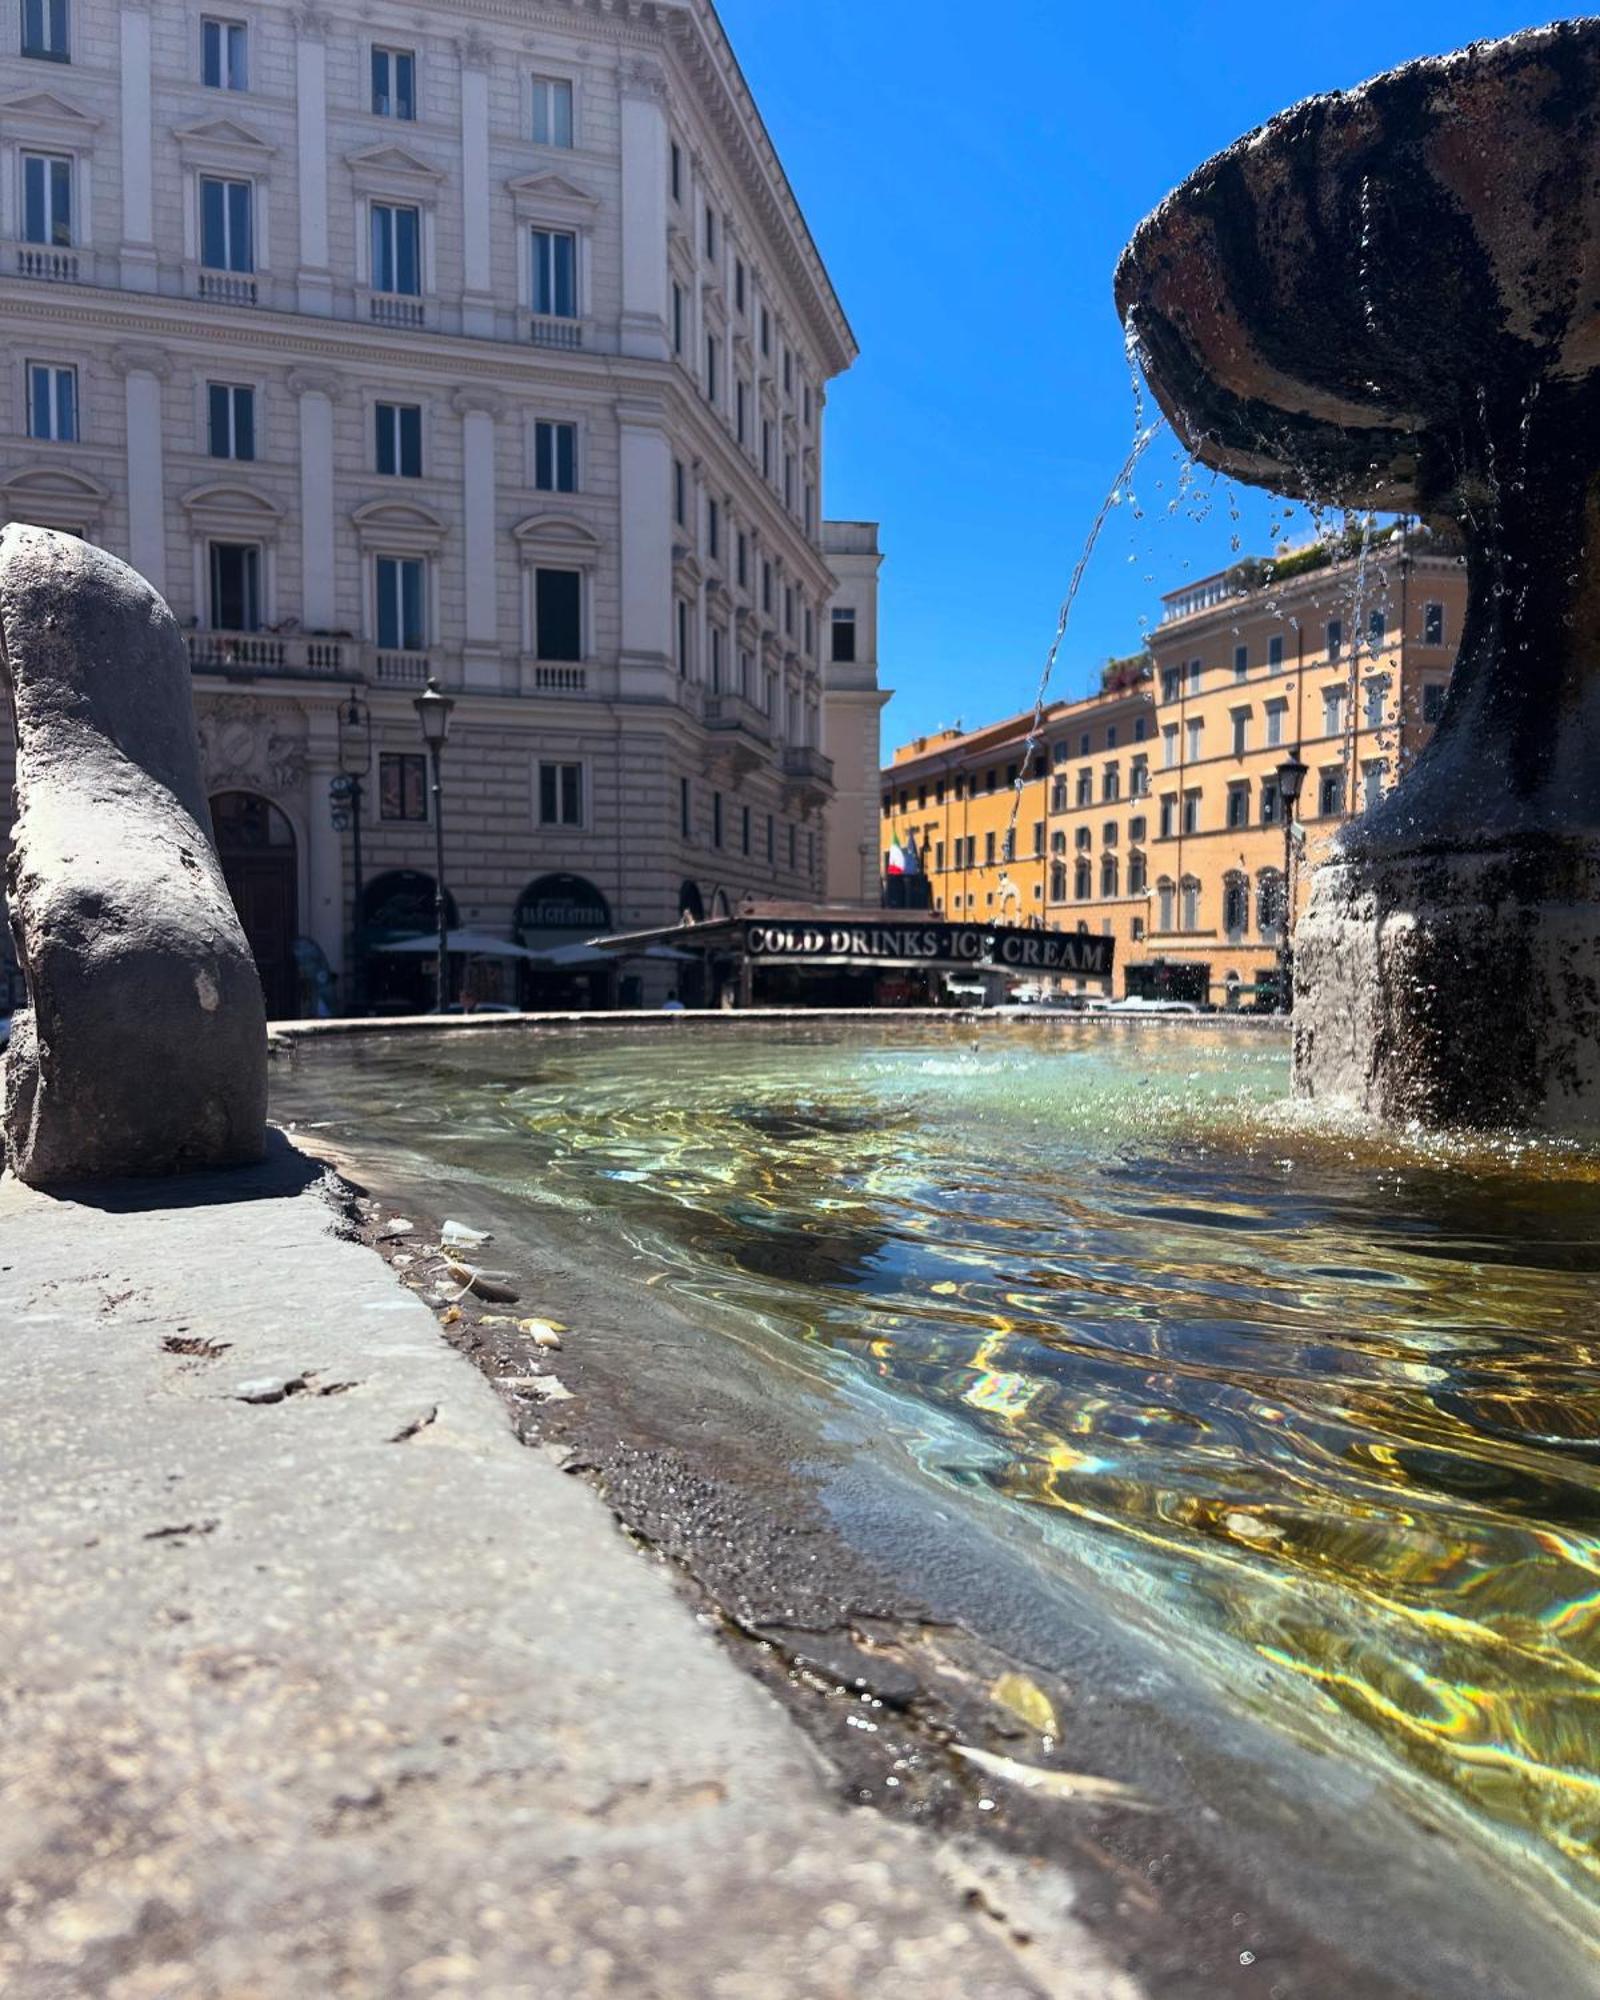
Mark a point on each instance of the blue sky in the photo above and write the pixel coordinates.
(971, 175)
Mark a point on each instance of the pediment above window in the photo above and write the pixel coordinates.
(232, 507)
(553, 195)
(392, 170)
(399, 525)
(53, 496)
(223, 142)
(40, 114)
(556, 534)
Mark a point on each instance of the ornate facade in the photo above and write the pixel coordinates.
(471, 342)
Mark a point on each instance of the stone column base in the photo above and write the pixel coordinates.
(1454, 989)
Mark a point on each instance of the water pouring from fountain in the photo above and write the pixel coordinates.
(1389, 299)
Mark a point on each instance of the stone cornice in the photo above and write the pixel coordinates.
(478, 400)
(316, 382)
(137, 360)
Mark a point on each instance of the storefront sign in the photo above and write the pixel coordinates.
(965, 946)
(558, 908)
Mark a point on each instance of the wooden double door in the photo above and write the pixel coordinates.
(256, 845)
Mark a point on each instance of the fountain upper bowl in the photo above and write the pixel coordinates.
(1354, 301)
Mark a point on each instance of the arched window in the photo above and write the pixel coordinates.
(1058, 881)
(1165, 898)
(1083, 882)
(1137, 879)
(1190, 897)
(1235, 904)
(1109, 873)
(1269, 902)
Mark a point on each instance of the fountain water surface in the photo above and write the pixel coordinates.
(1390, 298)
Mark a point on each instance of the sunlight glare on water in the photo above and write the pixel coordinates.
(1326, 1398)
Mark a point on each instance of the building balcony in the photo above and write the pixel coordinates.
(42, 260)
(246, 654)
(227, 288)
(808, 766)
(392, 668)
(735, 712)
(404, 310)
(547, 330)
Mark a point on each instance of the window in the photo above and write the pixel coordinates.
(1195, 671)
(788, 372)
(680, 494)
(1269, 900)
(1164, 896)
(1277, 711)
(396, 250)
(1111, 785)
(1275, 653)
(766, 448)
(1433, 700)
(44, 30)
(1139, 779)
(683, 637)
(1241, 731)
(223, 55)
(1137, 876)
(552, 112)
(394, 83)
(1171, 683)
(744, 829)
(402, 786)
(713, 361)
(1109, 875)
(1038, 836)
(1377, 629)
(675, 170)
(1169, 816)
(1333, 711)
(788, 480)
(738, 284)
(772, 838)
(788, 609)
(1371, 784)
(1083, 882)
(230, 420)
(1058, 882)
(713, 530)
(1190, 894)
(1235, 904)
(1083, 744)
(1335, 637)
(1083, 838)
(560, 794)
(558, 614)
(235, 587)
(988, 850)
(555, 273)
(555, 457)
(1269, 801)
(1058, 796)
(766, 331)
(742, 561)
(1169, 746)
(1330, 794)
(1196, 729)
(1238, 805)
(1136, 929)
(683, 786)
(1191, 812)
(791, 849)
(400, 589)
(711, 231)
(1377, 693)
(1085, 788)
(1141, 728)
(741, 412)
(1433, 624)
(766, 586)
(1241, 662)
(715, 636)
(52, 402)
(844, 633)
(47, 199)
(1137, 827)
(677, 319)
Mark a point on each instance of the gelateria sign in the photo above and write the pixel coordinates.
(969, 947)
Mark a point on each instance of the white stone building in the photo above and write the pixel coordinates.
(853, 704)
(470, 341)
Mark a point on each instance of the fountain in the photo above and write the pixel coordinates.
(1389, 298)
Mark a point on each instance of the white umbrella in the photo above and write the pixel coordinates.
(462, 944)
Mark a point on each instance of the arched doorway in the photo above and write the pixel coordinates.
(256, 846)
(395, 905)
(691, 904)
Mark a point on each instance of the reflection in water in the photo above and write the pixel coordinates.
(1331, 1399)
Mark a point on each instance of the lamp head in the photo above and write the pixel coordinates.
(1291, 779)
(433, 713)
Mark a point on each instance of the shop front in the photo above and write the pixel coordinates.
(556, 917)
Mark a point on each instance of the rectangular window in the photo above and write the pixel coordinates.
(400, 587)
(558, 614)
(788, 480)
(683, 805)
(394, 83)
(680, 494)
(230, 420)
(52, 402)
(1377, 696)
(1241, 731)
(1241, 662)
(1238, 805)
(788, 372)
(711, 230)
(1038, 836)
(227, 239)
(766, 331)
(555, 457)
(716, 819)
(744, 829)
(713, 366)
(560, 794)
(235, 587)
(1169, 815)
(1332, 711)
(1335, 637)
(1371, 785)
(47, 199)
(766, 587)
(552, 112)
(742, 566)
(772, 836)
(677, 319)
(675, 170)
(1269, 801)
(1171, 683)
(738, 285)
(1433, 700)
(44, 30)
(716, 659)
(1377, 629)
(791, 850)
(766, 448)
(1169, 746)
(1276, 712)
(223, 55)
(398, 433)
(396, 250)
(1275, 652)
(741, 412)
(555, 273)
(1195, 670)
(1085, 788)
(988, 849)
(1330, 794)
(1433, 624)
(402, 786)
(1191, 812)
(1196, 725)
(683, 637)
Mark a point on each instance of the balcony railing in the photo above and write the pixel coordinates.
(550, 678)
(35, 260)
(545, 330)
(228, 288)
(396, 309)
(400, 669)
(809, 766)
(263, 653)
(735, 711)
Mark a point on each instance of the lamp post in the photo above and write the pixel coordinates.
(433, 713)
(1291, 781)
(355, 765)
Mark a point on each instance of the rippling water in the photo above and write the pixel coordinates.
(1325, 1398)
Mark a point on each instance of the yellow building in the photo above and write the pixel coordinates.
(1343, 657)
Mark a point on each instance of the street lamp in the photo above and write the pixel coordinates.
(355, 765)
(1291, 781)
(433, 713)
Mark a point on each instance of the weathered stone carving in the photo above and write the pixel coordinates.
(143, 1049)
(1390, 298)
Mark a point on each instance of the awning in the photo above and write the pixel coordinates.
(459, 944)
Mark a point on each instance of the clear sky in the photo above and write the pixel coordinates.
(971, 174)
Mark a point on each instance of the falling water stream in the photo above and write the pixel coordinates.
(1324, 1403)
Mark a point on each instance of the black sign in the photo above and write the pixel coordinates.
(561, 903)
(980, 947)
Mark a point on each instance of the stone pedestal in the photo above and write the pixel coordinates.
(1454, 987)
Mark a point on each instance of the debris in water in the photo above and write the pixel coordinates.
(1080, 1786)
(544, 1332)
(478, 1282)
(1028, 1702)
(398, 1227)
(461, 1237)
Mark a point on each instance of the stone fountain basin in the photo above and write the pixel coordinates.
(1328, 307)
